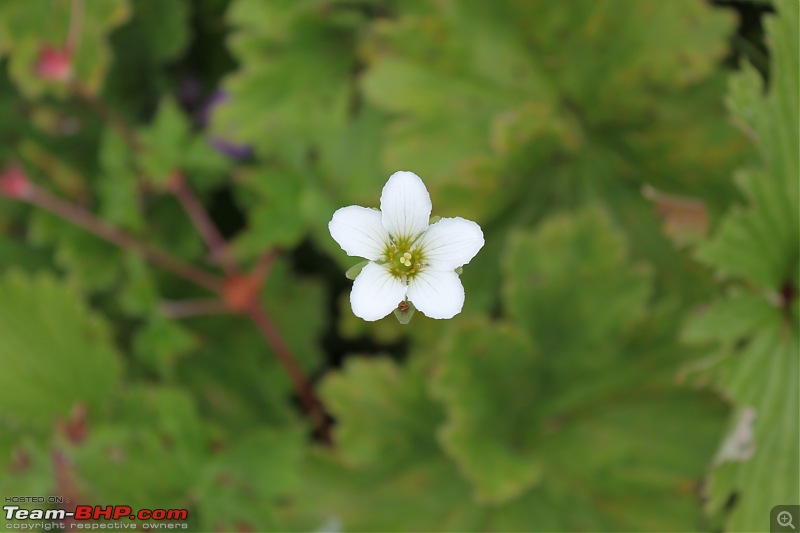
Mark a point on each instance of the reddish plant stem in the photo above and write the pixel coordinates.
(255, 310)
(262, 320)
(202, 221)
(265, 262)
(86, 220)
(219, 251)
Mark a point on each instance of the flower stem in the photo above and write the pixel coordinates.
(203, 223)
(253, 308)
(312, 405)
(214, 240)
(81, 217)
(265, 262)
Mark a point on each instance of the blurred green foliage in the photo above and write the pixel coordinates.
(627, 358)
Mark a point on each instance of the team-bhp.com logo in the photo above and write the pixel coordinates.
(88, 517)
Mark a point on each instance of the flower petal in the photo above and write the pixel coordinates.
(376, 292)
(451, 243)
(406, 205)
(438, 294)
(359, 231)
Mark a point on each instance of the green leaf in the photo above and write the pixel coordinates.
(632, 463)
(164, 27)
(156, 36)
(15, 253)
(273, 104)
(754, 330)
(478, 359)
(730, 320)
(165, 140)
(251, 481)
(424, 493)
(154, 440)
(386, 453)
(763, 377)
(138, 296)
(272, 198)
(591, 411)
(91, 262)
(762, 242)
(159, 343)
(355, 270)
(350, 164)
(114, 154)
(171, 146)
(28, 465)
(378, 399)
(508, 115)
(55, 352)
(605, 465)
(570, 286)
(324, 137)
(207, 165)
(118, 187)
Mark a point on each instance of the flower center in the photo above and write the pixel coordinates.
(403, 261)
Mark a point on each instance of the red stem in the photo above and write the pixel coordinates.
(97, 226)
(202, 221)
(257, 313)
(216, 244)
(262, 320)
(264, 266)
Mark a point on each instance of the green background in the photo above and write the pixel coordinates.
(627, 357)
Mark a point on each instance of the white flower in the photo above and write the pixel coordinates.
(408, 259)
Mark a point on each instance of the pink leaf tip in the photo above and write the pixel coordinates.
(13, 182)
(54, 63)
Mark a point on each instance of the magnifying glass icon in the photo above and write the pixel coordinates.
(785, 519)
